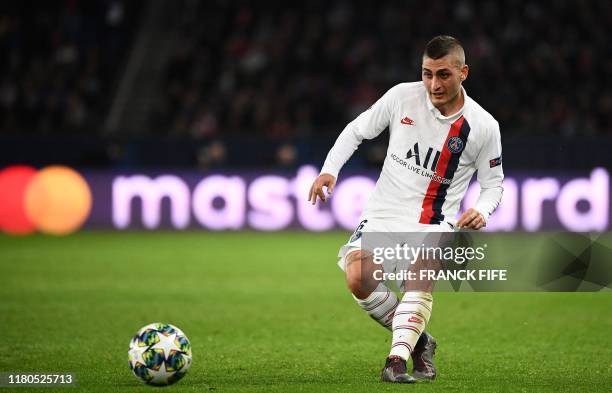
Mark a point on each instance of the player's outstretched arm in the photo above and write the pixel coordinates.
(316, 190)
(367, 125)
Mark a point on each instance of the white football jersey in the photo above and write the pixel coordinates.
(430, 159)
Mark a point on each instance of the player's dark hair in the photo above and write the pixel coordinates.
(441, 46)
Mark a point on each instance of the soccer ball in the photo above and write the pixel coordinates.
(159, 354)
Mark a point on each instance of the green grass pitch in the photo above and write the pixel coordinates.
(270, 313)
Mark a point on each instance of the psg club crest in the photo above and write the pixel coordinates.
(455, 145)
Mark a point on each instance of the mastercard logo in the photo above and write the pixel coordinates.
(55, 200)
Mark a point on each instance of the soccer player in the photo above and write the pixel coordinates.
(438, 138)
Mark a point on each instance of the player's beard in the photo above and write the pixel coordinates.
(441, 104)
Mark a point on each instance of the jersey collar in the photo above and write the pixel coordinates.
(439, 115)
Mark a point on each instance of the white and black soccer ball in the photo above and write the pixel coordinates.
(159, 354)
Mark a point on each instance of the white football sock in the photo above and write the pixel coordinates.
(409, 321)
(380, 305)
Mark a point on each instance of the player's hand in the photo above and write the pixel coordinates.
(471, 219)
(323, 180)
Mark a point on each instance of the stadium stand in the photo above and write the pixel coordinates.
(239, 83)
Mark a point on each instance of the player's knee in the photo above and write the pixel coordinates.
(358, 282)
(355, 285)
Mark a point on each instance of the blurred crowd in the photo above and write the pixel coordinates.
(257, 68)
(288, 71)
(59, 60)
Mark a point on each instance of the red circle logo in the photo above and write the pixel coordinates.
(55, 200)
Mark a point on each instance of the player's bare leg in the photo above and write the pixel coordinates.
(360, 273)
(371, 294)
